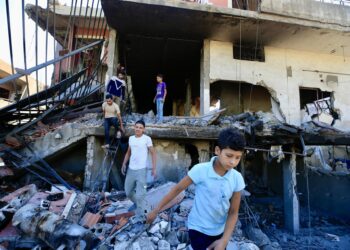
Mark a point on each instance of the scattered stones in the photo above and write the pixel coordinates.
(247, 246)
(163, 245)
(257, 236)
(181, 246)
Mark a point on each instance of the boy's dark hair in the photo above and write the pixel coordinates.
(161, 76)
(141, 122)
(232, 139)
(109, 96)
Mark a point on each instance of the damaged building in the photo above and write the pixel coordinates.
(277, 70)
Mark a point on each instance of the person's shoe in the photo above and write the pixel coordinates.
(105, 146)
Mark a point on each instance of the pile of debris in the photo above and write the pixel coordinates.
(66, 219)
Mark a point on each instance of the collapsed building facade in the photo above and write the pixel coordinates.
(279, 69)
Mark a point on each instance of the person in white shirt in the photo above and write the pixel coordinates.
(136, 178)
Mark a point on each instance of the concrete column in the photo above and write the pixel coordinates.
(204, 77)
(265, 170)
(291, 202)
(94, 158)
(131, 94)
(188, 101)
(112, 57)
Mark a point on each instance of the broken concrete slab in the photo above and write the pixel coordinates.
(50, 228)
(258, 237)
(154, 196)
(163, 245)
(143, 244)
(21, 196)
(117, 215)
(246, 246)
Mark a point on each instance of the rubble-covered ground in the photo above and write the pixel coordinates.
(69, 219)
(72, 220)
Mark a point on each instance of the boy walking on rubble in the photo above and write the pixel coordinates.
(111, 112)
(217, 197)
(136, 177)
(159, 98)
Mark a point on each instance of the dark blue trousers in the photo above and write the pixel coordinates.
(200, 241)
(112, 121)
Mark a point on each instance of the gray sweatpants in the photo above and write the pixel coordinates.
(136, 187)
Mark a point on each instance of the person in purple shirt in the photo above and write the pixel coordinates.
(159, 98)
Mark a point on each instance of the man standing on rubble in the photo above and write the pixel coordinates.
(111, 112)
(159, 98)
(136, 177)
(217, 197)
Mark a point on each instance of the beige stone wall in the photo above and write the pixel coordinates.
(308, 70)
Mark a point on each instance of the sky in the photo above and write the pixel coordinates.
(15, 7)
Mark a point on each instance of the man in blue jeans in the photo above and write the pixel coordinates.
(111, 112)
(159, 98)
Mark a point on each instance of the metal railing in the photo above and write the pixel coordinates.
(76, 72)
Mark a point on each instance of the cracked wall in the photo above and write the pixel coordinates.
(284, 71)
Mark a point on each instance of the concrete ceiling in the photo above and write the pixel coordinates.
(192, 21)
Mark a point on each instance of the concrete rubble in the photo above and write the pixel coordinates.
(34, 216)
(41, 215)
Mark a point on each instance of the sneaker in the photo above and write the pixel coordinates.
(105, 146)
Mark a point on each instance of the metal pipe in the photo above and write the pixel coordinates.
(40, 66)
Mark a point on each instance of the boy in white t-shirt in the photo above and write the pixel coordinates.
(136, 177)
(217, 197)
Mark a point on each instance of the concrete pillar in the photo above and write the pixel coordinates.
(94, 158)
(112, 57)
(204, 77)
(131, 94)
(265, 171)
(291, 202)
(188, 101)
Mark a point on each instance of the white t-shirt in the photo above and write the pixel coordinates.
(139, 151)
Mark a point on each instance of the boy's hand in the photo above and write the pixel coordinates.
(123, 169)
(218, 245)
(151, 217)
(122, 129)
